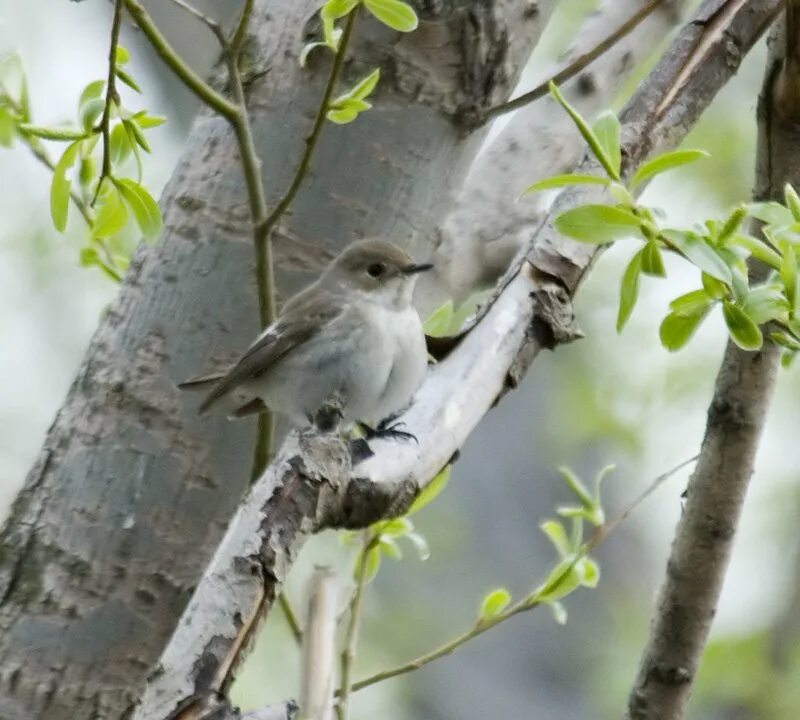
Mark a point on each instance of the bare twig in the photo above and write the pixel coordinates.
(291, 618)
(112, 99)
(353, 623)
(599, 536)
(209, 22)
(317, 675)
(704, 536)
(578, 64)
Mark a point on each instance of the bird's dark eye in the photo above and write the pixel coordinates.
(376, 270)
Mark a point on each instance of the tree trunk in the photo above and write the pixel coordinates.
(132, 492)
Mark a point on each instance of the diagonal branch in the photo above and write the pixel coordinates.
(705, 533)
(311, 484)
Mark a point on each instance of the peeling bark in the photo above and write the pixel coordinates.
(311, 484)
(716, 493)
(132, 492)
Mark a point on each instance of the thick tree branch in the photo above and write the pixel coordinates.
(705, 533)
(311, 484)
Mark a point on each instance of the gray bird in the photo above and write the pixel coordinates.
(352, 336)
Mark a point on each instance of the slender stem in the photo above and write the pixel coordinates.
(112, 98)
(351, 634)
(166, 52)
(291, 618)
(311, 141)
(240, 33)
(577, 65)
(528, 603)
(212, 24)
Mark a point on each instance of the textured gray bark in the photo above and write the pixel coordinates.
(716, 493)
(132, 492)
(311, 484)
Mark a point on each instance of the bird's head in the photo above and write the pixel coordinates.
(378, 270)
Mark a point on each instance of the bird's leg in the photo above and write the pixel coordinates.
(388, 429)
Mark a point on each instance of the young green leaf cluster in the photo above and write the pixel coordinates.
(383, 535)
(395, 14)
(719, 249)
(107, 200)
(574, 568)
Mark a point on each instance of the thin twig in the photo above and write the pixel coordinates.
(166, 52)
(311, 141)
(353, 623)
(240, 33)
(209, 22)
(525, 604)
(577, 65)
(291, 618)
(112, 98)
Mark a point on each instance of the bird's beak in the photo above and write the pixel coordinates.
(414, 269)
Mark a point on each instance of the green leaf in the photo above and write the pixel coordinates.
(577, 488)
(145, 121)
(590, 571)
(695, 249)
(127, 79)
(597, 224)
(120, 144)
(785, 340)
(91, 111)
(86, 171)
(677, 329)
(308, 48)
(629, 290)
(51, 133)
(560, 582)
(390, 548)
(343, 116)
(14, 84)
(111, 216)
(396, 527)
(744, 332)
(372, 564)
(364, 88)
(421, 544)
(334, 9)
(397, 15)
(93, 91)
(652, 262)
(792, 201)
(713, 287)
(691, 303)
(136, 135)
(607, 130)
(558, 181)
(559, 612)
(8, 127)
(732, 225)
(141, 204)
(494, 603)
(664, 162)
(772, 213)
(558, 536)
(586, 132)
(740, 284)
(765, 303)
(438, 322)
(789, 273)
(433, 489)
(121, 55)
(59, 189)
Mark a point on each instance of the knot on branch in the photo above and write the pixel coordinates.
(553, 322)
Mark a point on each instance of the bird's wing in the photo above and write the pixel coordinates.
(302, 318)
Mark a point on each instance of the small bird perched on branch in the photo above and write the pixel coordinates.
(351, 339)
